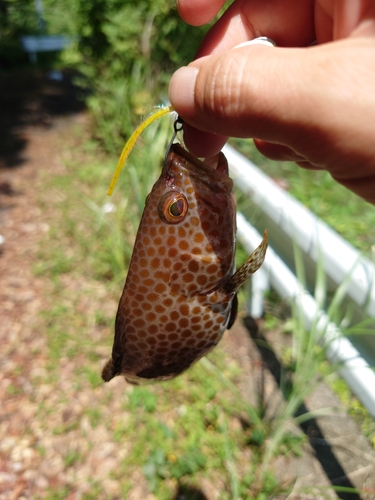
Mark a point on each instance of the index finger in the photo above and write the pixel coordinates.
(198, 12)
(289, 22)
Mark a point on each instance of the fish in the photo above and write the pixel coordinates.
(180, 293)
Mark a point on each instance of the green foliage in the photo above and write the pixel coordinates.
(142, 398)
(349, 215)
(186, 429)
(127, 51)
(117, 33)
(17, 17)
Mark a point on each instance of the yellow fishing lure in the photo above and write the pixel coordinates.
(153, 116)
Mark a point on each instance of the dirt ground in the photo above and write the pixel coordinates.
(34, 112)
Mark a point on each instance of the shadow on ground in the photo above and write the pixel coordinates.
(324, 453)
(185, 492)
(32, 97)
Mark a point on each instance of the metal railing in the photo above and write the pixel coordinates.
(290, 223)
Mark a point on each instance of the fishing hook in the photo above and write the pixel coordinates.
(177, 126)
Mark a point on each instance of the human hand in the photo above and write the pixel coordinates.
(314, 105)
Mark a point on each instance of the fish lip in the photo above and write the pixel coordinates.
(217, 181)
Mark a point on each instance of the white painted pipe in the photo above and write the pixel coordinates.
(315, 238)
(351, 366)
(260, 284)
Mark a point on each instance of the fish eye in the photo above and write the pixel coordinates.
(173, 207)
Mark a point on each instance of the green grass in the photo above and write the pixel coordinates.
(185, 429)
(194, 428)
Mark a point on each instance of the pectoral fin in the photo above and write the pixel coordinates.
(249, 267)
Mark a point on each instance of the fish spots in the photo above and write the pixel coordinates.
(159, 308)
(152, 297)
(167, 263)
(143, 262)
(167, 319)
(170, 327)
(199, 237)
(172, 253)
(175, 315)
(183, 244)
(193, 266)
(192, 289)
(155, 263)
(182, 232)
(162, 276)
(153, 328)
(150, 251)
(151, 316)
(144, 273)
(134, 268)
(212, 269)
(184, 309)
(139, 323)
(183, 323)
(160, 288)
(201, 279)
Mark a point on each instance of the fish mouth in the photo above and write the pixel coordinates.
(216, 178)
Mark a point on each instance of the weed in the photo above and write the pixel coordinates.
(94, 416)
(59, 493)
(72, 457)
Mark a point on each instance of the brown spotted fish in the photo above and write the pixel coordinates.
(180, 292)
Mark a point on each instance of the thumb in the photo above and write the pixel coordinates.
(253, 91)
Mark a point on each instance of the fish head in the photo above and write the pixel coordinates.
(196, 209)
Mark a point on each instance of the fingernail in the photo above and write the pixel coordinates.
(181, 90)
(262, 40)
